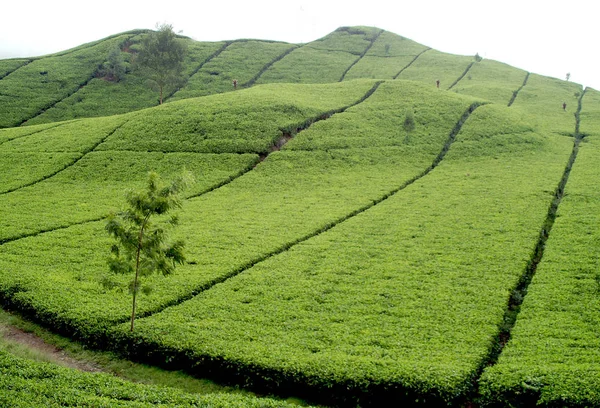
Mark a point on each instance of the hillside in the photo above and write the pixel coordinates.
(331, 254)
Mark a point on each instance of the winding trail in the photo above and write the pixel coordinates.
(288, 245)
(519, 292)
(31, 341)
(361, 56)
(411, 62)
(516, 93)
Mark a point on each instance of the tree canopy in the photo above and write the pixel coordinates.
(161, 58)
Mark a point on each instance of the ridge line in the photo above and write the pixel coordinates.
(286, 246)
(362, 55)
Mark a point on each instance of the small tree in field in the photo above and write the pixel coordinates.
(143, 248)
(409, 124)
(161, 58)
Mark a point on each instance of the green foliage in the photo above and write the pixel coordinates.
(45, 81)
(434, 65)
(113, 68)
(143, 248)
(590, 114)
(308, 64)
(388, 55)
(10, 65)
(438, 264)
(491, 80)
(542, 100)
(551, 357)
(64, 199)
(24, 383)
(241, 60)
(376, 122)
(161, 58)
(250, 120)
(102, 98)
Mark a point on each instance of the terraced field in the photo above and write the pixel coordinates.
(331, 254)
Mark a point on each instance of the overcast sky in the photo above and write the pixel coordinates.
(546, 37)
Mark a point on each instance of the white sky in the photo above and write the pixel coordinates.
(547, 37)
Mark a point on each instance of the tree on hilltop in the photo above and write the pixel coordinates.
(161, 58)
(143, 248)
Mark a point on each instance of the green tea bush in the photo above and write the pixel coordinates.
(434, 65)
(388, 55)
(10, 65)
(590, 114)
(551, 357)
(403, 299)
(377, 122)
(102, 98)
(309, 64)
(226, 230)
(542, 100)
(491, 80)
(245, 121)
(37, 86)
(242, 60)
(95, 185)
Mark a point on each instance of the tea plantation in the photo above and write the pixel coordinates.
(332, 252)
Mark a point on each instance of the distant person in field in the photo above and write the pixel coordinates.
(564, 106)
(235, 84)
(437, 83)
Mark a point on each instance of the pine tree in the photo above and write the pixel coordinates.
(142, 247)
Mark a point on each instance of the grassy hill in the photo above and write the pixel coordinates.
(331, 253)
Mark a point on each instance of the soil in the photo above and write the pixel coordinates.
(53, 353)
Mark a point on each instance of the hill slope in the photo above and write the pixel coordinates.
(331, 252)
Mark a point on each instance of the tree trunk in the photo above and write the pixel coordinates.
(137, 266)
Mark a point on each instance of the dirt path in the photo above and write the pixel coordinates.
(32, 342)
